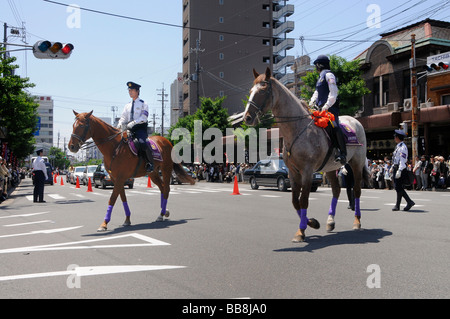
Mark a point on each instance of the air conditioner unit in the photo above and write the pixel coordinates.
(426, 104)
(407, 104)
(392, 107)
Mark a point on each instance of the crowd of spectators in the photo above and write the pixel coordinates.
(10, 177)
(428, 173)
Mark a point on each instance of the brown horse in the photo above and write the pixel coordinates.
(122, 164)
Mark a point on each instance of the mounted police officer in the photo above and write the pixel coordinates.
(326, 98)
(135, 118)
(399, 159)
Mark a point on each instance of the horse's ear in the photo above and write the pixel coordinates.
(256, 74)
(89, 114)
(76, 114)
(268, 74)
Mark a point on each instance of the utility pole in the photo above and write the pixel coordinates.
(197, 50)
(414, 102)
(163, 99)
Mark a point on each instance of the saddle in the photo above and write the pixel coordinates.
(349, 134)
(155, 148)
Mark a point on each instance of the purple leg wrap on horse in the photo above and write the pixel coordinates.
(108, 213)
(127, 209)
(332, 210)
(163, 205)
(357, 208)
(303, 219)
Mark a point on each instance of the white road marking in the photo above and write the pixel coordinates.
(45, 231)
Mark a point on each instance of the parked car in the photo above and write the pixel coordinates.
(102, 178)
(77, 172)
(174, 178)
(273, 172)
(88, 172)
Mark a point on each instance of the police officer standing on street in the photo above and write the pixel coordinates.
(399, 159)
(135, 118)
(40, 175)
(326, 98)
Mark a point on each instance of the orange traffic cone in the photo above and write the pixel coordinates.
(62, 183)
(149, 182)
(78, 183)
(54, 178)
(89, 186)
(236, 187)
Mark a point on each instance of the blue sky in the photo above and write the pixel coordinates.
(110, 51)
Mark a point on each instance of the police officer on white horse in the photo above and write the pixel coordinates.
(399, 159)
(326, 98)
(135, 118)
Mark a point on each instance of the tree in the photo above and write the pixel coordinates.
(349, 81)
(58, 158)
(18, 111)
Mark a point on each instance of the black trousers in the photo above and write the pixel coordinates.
(38, 192)
(399, 188)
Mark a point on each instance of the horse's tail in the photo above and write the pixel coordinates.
(366, 175)
(182, 175)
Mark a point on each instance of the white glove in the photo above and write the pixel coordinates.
(398, 174)
(130, 125)
(325, 107)
(344, 171)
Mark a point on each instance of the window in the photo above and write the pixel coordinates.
(221, 37)
(221, 75)
(445, 99)
(221, 56)
(221, 19)
(221, 2)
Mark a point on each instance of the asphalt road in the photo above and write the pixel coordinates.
(218, 245)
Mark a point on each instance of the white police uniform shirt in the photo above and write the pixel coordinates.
(39, 165)
(400, 156)
(332, 96)
(140, 114)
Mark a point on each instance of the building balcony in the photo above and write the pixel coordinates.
(287, 78)
(286, 27)
(285, 11)
(285, 62)
(284, 45)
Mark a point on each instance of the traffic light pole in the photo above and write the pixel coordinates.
(414, 102)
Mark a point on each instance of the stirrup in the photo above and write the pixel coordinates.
(149, 167)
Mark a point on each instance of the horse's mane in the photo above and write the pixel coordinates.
(302, 102)
(107, 124)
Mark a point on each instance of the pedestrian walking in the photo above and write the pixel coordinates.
(40, 175)
(400, 171)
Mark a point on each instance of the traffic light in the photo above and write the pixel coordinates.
(52, 50)
(441, 66)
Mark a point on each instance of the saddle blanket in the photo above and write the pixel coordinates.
(349, 135)
(155, 148)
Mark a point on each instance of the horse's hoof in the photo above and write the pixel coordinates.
(330, 223)
(126, 224)
(356, 226)
(299, 236)
(102, 229)
(167, 214)
(161, 217)
(313, 223)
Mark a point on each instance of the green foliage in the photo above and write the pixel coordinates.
(211, 113)
(351, 86)
(58, 158)
(18, 111)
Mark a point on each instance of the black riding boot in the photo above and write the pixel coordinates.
(342, 156)
(397, 203)
(148, 155)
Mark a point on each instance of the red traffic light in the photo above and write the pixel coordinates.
(67, 48)
(52, 50)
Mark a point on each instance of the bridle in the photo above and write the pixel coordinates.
(260, 108)
(82, 138)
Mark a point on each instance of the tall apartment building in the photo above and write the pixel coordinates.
(44, 134)
(223, 40)
(176, 99)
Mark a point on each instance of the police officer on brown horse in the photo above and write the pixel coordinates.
(134, 118)
(326, 98)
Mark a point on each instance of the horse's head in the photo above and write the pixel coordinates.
(81, 131)
(260, 100)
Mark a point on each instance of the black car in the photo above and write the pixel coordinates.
(102, 178)
(273, 172)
